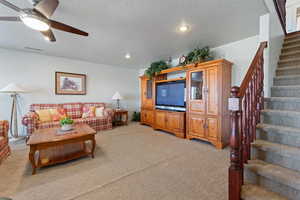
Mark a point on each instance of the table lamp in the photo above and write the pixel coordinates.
(117, 97)
(13, 89)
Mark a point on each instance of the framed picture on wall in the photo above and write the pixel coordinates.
(70, 83)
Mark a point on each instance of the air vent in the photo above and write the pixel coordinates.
(33, 49)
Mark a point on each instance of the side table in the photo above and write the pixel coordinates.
(118, 117)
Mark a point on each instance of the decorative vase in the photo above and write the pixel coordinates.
(66, 127)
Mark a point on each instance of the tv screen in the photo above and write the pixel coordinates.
(170, 94)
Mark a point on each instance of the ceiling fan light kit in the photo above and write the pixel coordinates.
(34, 21)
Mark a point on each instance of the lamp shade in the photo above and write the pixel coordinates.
(117, 96)
(12, 88)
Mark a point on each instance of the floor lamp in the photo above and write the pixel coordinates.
(14, 90)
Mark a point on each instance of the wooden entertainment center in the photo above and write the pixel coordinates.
(207, 91)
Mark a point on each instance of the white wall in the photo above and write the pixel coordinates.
(240, 53)
(36, 73)
(271, 30)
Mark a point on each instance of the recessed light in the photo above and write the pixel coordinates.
(127, 56)
(183, 28)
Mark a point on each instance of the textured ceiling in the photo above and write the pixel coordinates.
(145, 28)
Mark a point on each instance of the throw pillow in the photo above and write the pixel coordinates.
(99, 112)
(58, 113)
(88, 111)
(44, 115)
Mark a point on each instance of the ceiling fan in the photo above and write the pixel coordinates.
(38, 18)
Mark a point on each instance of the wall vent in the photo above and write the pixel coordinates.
(33, 49)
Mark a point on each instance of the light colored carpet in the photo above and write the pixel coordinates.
(131, 162)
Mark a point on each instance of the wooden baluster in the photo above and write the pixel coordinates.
(247, 97)
(251, 110)
(258, 94)
(244, 128)
(255, 102)
(235, 170)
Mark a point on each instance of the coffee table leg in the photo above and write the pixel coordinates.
(32, 159)
(93, 147)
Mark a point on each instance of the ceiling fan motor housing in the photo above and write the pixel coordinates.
(34, 2)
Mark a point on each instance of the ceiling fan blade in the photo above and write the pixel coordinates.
(67, 28)
(49, 35)
(10, 5)
(10, 19)
(47, 7)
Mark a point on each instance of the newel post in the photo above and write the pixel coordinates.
(235, 169)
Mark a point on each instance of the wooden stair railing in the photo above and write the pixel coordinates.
(280, 6)
(245, 105)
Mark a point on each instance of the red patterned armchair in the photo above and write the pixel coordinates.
(73, 110)
(4, 148)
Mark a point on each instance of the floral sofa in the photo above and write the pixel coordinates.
(74, 111)
(4, 148)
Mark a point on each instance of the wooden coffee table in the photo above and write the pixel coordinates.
(48, 147)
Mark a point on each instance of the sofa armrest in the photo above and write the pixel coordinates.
(4, 128)
(109, 112)
(30, 120)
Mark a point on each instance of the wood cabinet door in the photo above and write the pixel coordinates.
(149, 117)
(175, 121)
(212, 128)
(212, 90)
(195, 91)
(160, 119)
(143, 116)
(147, 92)
(196, 125)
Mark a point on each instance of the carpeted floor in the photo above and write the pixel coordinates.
(132, 163)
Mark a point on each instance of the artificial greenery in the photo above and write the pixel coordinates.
(199, 55)
(136, 117)
(66, 121)
(156, 68)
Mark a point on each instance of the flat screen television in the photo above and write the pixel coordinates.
(170, 94)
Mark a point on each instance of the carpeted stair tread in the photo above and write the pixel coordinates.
(281, 149)
(255, 192)
(282, 112)
(287, 60)
(290, 47)
(286, 90)
(287, 77)
(287, 86)
(285, 80)
(281, 129)
(288, 68)
(289, 42)
(290, 53)
(288, 177)
(283, 99)
(291, 37)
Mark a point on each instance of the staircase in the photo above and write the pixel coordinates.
(273, 173)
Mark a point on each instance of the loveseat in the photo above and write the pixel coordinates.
(4, 148)
(73, 110)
